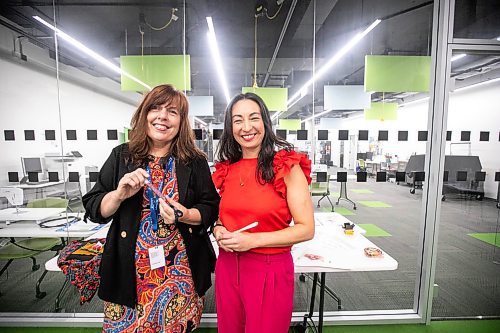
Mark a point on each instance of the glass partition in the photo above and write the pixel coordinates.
(37, 200)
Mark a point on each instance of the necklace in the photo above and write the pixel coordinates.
(243, 180)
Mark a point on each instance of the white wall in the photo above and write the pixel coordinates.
(475, 109)
(29, 101)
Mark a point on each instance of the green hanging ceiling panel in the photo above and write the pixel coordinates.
(155, 70)
(275, 98)
(397, 73)
(289, 124)
(382, 111)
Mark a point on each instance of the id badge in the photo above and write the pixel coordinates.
(156, 257)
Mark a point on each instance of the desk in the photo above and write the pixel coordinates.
(30, 214)
(338, 253)
(31, 229)
(38, 185)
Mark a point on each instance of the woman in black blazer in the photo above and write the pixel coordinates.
(157, 258)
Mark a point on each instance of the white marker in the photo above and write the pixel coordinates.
(250, 226)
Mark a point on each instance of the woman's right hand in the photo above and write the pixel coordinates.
(131, 183)
(219, 232)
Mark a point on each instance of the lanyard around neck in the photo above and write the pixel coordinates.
(154, 200)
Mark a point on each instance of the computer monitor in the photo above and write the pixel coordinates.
(34, 165)
(361, 156)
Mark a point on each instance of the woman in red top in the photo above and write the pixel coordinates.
(254, 272)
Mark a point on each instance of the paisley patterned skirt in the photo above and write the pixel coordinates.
(166, 297)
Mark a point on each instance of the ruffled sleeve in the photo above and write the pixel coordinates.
(220, 174)
(282, 164)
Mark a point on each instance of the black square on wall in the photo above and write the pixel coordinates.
(465, 136)
(74, 177)
(91, 134)
(383, 136)
(422, 135)
(33, 177)
(402, 135)
(29, 135)
(361, 176)
(53, 176)
(217, 133)
(484, 136)
(446, 175)
(13, 177)
(363, 135)
(93, 176)
(301, 134)
(381, 176)
(9, 135)
(341, 176)
(497, 176)
(448, 135)
(70, 134)
(343, 135)
(322, 134)
(198, 134)
(112, 134)
(281, 133)
(461, 176)
(400, 176)
(480, 176)
(50, 135)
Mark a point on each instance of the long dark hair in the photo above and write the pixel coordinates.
(182, 147)
(230, 150)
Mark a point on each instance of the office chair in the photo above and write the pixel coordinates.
(31, 247)
(321, 187)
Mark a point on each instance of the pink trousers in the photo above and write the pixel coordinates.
(254, 292)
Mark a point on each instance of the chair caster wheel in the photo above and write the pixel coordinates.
(35, 267)
(302, 278)
(354, 207)
(412, 191)
(41, 295)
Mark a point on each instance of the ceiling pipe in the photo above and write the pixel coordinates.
(280, 40)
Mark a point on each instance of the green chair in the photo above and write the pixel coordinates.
(30, 247)
(321, 187)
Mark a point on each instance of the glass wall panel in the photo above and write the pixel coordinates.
(34, 196)
(468, 257)
(477, 19)
(369, 122)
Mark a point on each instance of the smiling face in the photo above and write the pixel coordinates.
(248, 127)
(163, 123)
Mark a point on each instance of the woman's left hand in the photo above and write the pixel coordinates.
(168, 213)
(238, 241)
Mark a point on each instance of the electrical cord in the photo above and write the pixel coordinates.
(276, 14)
(63, 219)
(172, 17)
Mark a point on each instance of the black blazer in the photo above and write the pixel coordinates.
(117, 270)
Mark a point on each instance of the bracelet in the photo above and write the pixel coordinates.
(215, 225)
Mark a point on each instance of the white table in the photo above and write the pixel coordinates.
(338, 252)
(79, 229)
(29, 214)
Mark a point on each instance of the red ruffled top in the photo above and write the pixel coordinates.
(245, 200)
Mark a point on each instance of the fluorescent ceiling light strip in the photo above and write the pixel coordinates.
(316, 115)
(355, 40)
(89, 52)
(458, 56)
(212, 39)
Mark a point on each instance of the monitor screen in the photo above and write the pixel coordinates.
(217, 133)
(322, 134)
(31, 164)
(301, 134)
(361, 156)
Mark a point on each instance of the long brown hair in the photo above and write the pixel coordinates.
(182, 147)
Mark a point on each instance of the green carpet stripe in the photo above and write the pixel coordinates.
(448, 326)
(362, 190)
(374, 204)
(340, 210)
(373, 231)
(488, 237)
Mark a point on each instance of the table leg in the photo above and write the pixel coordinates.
(321, 301)
(311, 304)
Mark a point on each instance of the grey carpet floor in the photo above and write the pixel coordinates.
(467, 273)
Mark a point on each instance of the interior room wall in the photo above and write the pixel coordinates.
(29, 101)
